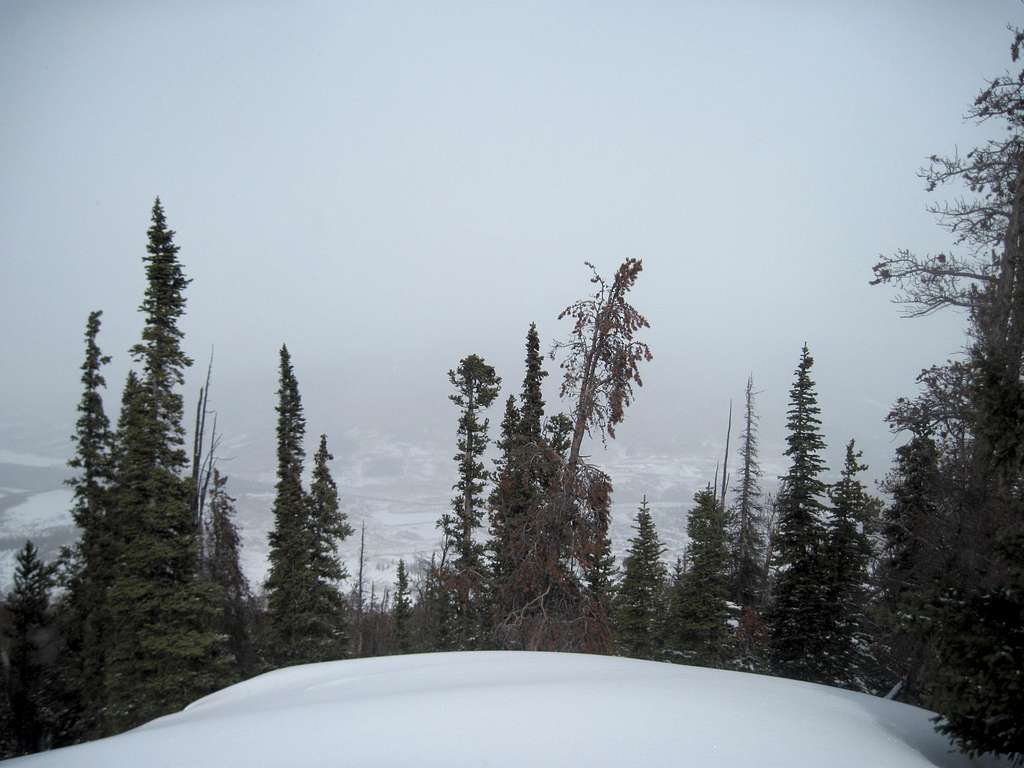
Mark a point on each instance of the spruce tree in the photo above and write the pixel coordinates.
(328, 632)
(795, 618)
(523, 473)
(8, 742)
(160, 353)
(980, 660)
(401, 612)
(438, 611)
(597, 564)
(225, 570)
(675, 613)
(979, 613)
(291, 544)
(162, 651)
(129, 411)
(30, 638)
(84, 608)
(911, 568)
(307, 611)
(505, 511)
(558, 432)
(532, 397)
(476, 386)
(640, 599)
(702, 635)
(92, 441)
(535, 592)
(909, 521)
(848, 554)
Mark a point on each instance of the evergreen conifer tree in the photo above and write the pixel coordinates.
(225, 571)
(702, 635)
(438, 610)
(597, 564)
(8, 742)
(911, 567)
(84, 606)
(306, 608)
(848, 554)
(795, 618)
(675, 613)
(980, 660)
(162, 651)
(640, 598)
(529, 540)
(329, 527)
(558, 432)
(504, 510)
(291, 545)
(532, 397)
(979, 613)
(401, 612)
(92, 441)
(29, 639)
(476, 386)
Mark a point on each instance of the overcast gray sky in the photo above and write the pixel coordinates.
(388, 187)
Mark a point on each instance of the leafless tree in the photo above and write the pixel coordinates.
(203, 466)
(985, 220)
(359, 600)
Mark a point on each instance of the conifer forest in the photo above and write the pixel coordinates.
(911, 588)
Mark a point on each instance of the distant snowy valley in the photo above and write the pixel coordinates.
(397, 489)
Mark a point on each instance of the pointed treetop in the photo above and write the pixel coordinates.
(532, 397)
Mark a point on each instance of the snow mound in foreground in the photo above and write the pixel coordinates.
(523, 709)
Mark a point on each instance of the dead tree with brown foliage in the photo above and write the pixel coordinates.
(600, 366)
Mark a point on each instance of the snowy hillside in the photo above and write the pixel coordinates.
(522, 709)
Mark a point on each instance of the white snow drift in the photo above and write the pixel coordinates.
(522, 709)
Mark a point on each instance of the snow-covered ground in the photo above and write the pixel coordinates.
(407, 528)
(45, 518)
(397, 526)
(523, 709)
(38, 514)
(398, 488)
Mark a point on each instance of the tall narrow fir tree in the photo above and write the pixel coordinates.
(795, 618)
(290, 540)
(163, 651)
(640, 604)
(84, 614)
(476, 386)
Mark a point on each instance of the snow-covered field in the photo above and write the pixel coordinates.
(407, 528)
(45, 518)
(38, 514)
(396, 527)
(397, 488)
(523, 709)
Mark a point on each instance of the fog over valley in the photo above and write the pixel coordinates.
(386, 208)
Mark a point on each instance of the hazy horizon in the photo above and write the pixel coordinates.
(389, 190)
